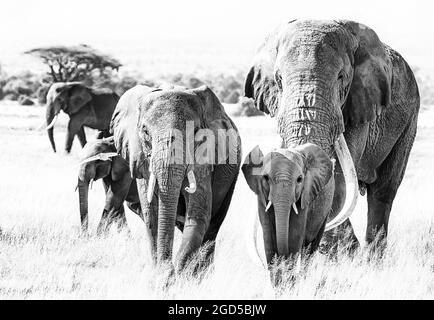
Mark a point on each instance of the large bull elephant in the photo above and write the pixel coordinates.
(101, 161)
(185, 153)
(335, 85)
(85, 107)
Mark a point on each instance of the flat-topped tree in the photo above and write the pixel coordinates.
(74, 63)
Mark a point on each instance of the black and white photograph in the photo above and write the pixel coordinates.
(216, 150)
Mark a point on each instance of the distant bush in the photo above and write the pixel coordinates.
(24, 100)
(23, 84)
(41, 93)
(426, 87)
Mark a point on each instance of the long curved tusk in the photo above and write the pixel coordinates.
(252, 245)
(268, 206)
(91, 183)
(106, 156)
(151, 187)
(192, 182)
(294, 206)
(351, 183)
(53, 122)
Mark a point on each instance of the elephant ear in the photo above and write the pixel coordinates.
(212, 109)
(261, 84)
(79, 96)
(214, 117)
(123, 126)
(318, 170)
(253, 173)
(370, 89)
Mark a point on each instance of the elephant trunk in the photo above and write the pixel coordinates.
(169, 177)
(309, 115)
(83, 193)
(282, 210)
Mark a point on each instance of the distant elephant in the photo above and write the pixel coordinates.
(86, 107)
(100, 161)
(335, 85)
(170, 138)
(291, 178)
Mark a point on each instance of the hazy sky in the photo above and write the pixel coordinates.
(405, 25)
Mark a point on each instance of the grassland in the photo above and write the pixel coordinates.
(42, 254)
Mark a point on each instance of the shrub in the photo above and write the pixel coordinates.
(41, 94)
(248, 109)
(25, 83)
(233, 97)
(426, 87)
(25, 101)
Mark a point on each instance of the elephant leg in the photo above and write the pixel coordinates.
(198, 217)
(114, 208)
(223, 188)
(382, 192)
(102, 225)
(74, 127)
(341, 237)
(150, 216)
(81, 135)
(136, 208)
(218, 214)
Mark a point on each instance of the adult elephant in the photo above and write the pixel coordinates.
(85, 107)
(101, 161)
(185, 153)
(335, 85)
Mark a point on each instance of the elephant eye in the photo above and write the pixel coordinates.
(299, 179)
(266, 177)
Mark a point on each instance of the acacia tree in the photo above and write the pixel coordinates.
(74, 63)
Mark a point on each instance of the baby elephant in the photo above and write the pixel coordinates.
(286, 181)
(100, 160)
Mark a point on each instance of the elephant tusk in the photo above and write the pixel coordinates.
(252, 245)
(297, 268)
(351, 183)
(294, 206)
(192, 182)
(151, 187)
(106, 156)
(53, 122)
(91, 183)
(268, 206)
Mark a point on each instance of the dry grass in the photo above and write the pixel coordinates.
(43, 256)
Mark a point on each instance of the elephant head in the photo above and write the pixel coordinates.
(318, 77)
(99, 159)
(157, 131)
(67, 96)
(287, 181)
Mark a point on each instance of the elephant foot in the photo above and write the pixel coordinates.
(284, 273)
(376, 246)
(166, 276)
(340, 240)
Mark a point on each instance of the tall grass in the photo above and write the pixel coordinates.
(43, 255)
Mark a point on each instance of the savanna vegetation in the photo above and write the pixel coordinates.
(43, 255)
